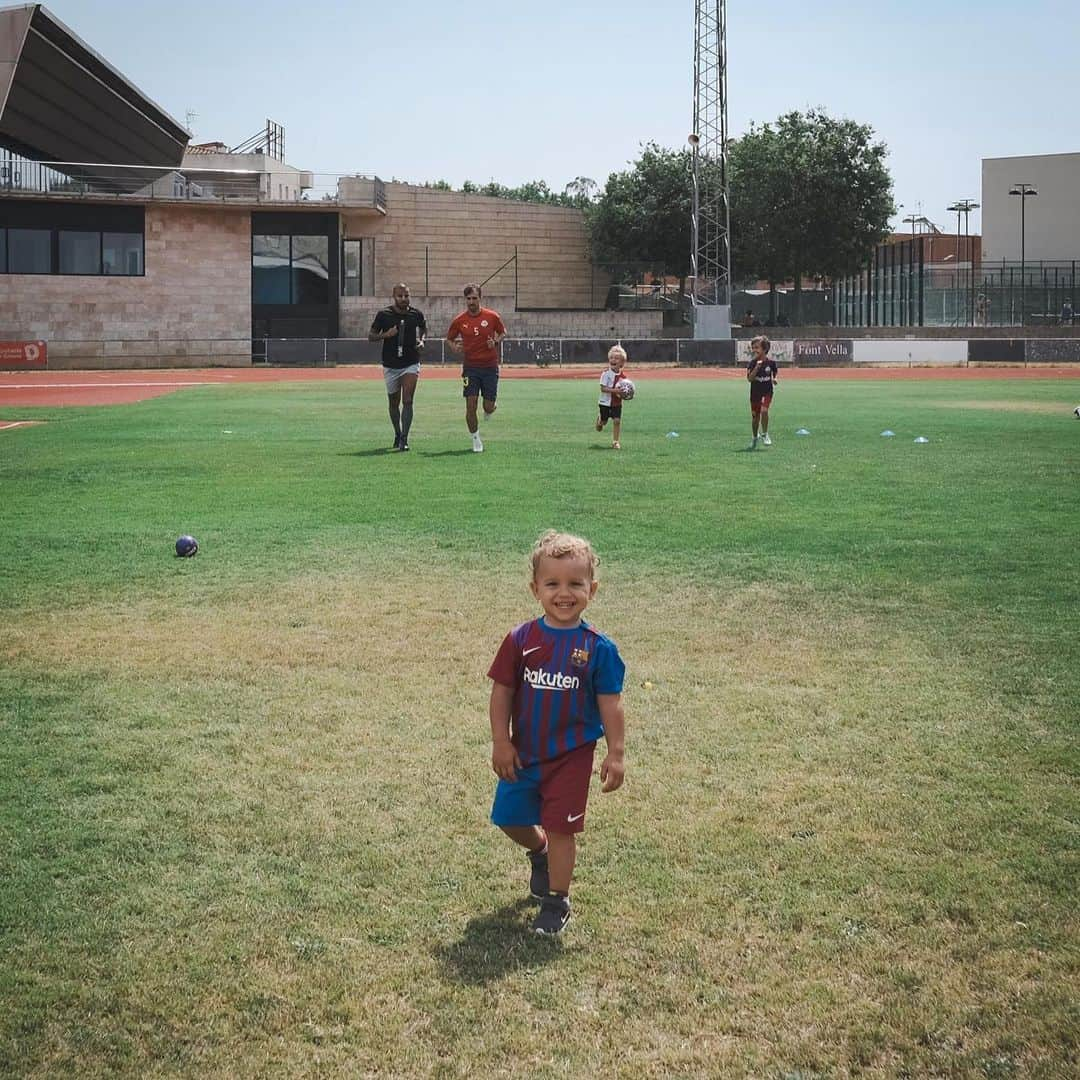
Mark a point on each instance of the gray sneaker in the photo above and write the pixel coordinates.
(554, 915)
(539, 884)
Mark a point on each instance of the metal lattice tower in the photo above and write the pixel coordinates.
(710, 256)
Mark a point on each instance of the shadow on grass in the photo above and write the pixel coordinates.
(494, 945)
(380, 451)
(448, 453)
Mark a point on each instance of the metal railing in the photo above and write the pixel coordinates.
(898, 291)
(24, 178)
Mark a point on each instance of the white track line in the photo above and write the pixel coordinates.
(96, 386)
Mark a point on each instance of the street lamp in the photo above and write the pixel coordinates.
(961, 206)
(1025, 192)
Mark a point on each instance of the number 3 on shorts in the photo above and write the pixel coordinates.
(465, 382)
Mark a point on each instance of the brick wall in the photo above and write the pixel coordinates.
(192, 307)
(439, 240)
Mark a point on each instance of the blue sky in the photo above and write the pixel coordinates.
(520, 91)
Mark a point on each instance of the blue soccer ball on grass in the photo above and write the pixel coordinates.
(186, 546)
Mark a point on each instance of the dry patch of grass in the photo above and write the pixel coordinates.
(252, 840)
(1040, 408)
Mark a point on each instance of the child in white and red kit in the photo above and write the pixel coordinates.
(610, 402)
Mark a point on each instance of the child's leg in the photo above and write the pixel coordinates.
(616, 425)
(764, 419)
(531, 837)
(562, 853)
(599, 422)
(755, 415)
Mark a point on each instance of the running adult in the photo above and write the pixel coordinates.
(476, 333)
(401, 329)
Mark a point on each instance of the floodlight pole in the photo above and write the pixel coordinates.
(962, 206)
(1025, 191)
(693, 140)
(710, 259)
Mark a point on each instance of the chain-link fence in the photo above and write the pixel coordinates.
(898, 290)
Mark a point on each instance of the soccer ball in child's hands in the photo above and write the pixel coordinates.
(625, 389)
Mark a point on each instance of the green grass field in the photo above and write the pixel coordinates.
(244, 797)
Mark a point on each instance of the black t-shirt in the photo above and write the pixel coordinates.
(400, 351)
(762, 383)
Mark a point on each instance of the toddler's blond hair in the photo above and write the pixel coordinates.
(617, 350)
(559, 545)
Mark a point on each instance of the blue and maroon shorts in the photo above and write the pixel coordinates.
(552, 794)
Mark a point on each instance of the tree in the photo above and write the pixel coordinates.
(580, 191)
(810, 196)
(643, 213)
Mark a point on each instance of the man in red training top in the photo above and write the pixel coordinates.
(476, 333)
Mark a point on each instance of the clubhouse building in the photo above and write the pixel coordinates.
(123, 245)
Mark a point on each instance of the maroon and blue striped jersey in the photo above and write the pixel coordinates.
(555, 675)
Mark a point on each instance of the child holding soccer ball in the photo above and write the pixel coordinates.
(610, 401)
(556, 688)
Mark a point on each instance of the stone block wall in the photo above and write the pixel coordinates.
(439, 240)
(191, 308)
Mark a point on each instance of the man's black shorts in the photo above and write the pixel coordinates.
(480, 381)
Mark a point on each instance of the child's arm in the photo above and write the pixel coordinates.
(613, 768)
(504, 755)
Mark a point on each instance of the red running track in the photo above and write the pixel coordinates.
(60, 388)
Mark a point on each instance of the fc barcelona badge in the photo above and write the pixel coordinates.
(579, 657)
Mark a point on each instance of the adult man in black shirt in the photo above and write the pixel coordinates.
(401, 329)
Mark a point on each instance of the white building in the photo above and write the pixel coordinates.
(1051, 219)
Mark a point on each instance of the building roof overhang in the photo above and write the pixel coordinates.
(62, 101)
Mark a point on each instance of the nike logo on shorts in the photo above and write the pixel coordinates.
(571, 818)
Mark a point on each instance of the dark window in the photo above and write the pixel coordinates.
(270, 269)
(310, 270)
(29, 251)
(122, 254)
(71, 238)
(80, 252)
(3, 251)
(352, 280)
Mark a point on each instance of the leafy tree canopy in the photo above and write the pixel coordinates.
(810, 195)
(578, 193)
